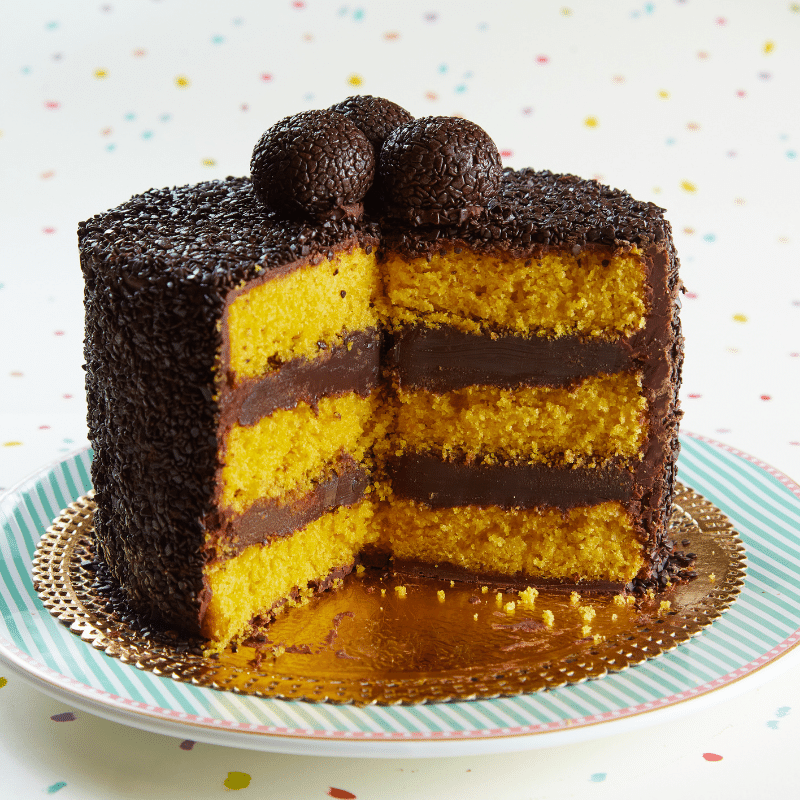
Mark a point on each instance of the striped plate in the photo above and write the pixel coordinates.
(760, 628)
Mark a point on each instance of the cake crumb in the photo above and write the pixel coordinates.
(586, 630)
(664, 606)
(338, 583)
(528, 596)
(498, 598)
(598, 638)
(574, 599)
(452, 584)
(278, 651)
(360, 569)
(712, 577)
(383, 592)
(440, 595)
(400, 591)
(619, 599)
(650, 594)
(630, 600)
(548, 618)
(484, 589)
(510, 607)
(587, 613)
(614, 617)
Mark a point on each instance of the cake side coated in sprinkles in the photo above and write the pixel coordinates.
(214, 326)
(157, 273)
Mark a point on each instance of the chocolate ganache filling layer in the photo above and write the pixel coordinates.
(353, 366)
(442, 484)
(444, 359)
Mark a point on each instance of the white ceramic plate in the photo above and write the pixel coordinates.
(752, 641)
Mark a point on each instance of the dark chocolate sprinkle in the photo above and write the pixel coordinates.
(375, 116)
(315, 164)
(438, 169)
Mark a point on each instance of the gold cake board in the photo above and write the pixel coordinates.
(373, 642)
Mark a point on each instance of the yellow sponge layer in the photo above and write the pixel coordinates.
(593, 294)
(252, 582)
(288, 316)
(288, 451)
(589, 542)
(603, 416)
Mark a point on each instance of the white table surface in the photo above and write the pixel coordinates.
(692, 105)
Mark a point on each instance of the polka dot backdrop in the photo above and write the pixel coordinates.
(691, 104)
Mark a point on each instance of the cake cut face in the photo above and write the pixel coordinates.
(485, 393)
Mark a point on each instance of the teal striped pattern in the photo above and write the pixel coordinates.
(762, 625)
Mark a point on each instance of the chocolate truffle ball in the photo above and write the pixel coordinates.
(438, 170)
(316, 164)
(375, 116)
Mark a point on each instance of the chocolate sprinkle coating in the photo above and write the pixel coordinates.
(159, 272)
(316, 164)
(436, 170)
(375, 116)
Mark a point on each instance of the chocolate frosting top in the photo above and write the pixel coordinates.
(217, 234)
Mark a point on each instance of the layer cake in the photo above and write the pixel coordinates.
(483, 387)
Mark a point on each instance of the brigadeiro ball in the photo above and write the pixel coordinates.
(316, 164)
(438, 170)
(375, 116)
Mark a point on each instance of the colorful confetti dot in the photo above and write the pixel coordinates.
(52, 104)
(766, 397)
(3, 682)
(542, 59)
(56, 787)
(101, 73)
(186, 744)
(265, 76)
(712, 757)
(236, 780)
(66, 716)
(591, 122)
(566, 11)
(688, 186)
(598, 777)
(12, 444)
(783, 711)
(740, 318)
(391, 36)
(340, 794)
(355, 80)
(769, 47)
(664, 94)
(209, 162)
(139, 52)
(182, 82)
